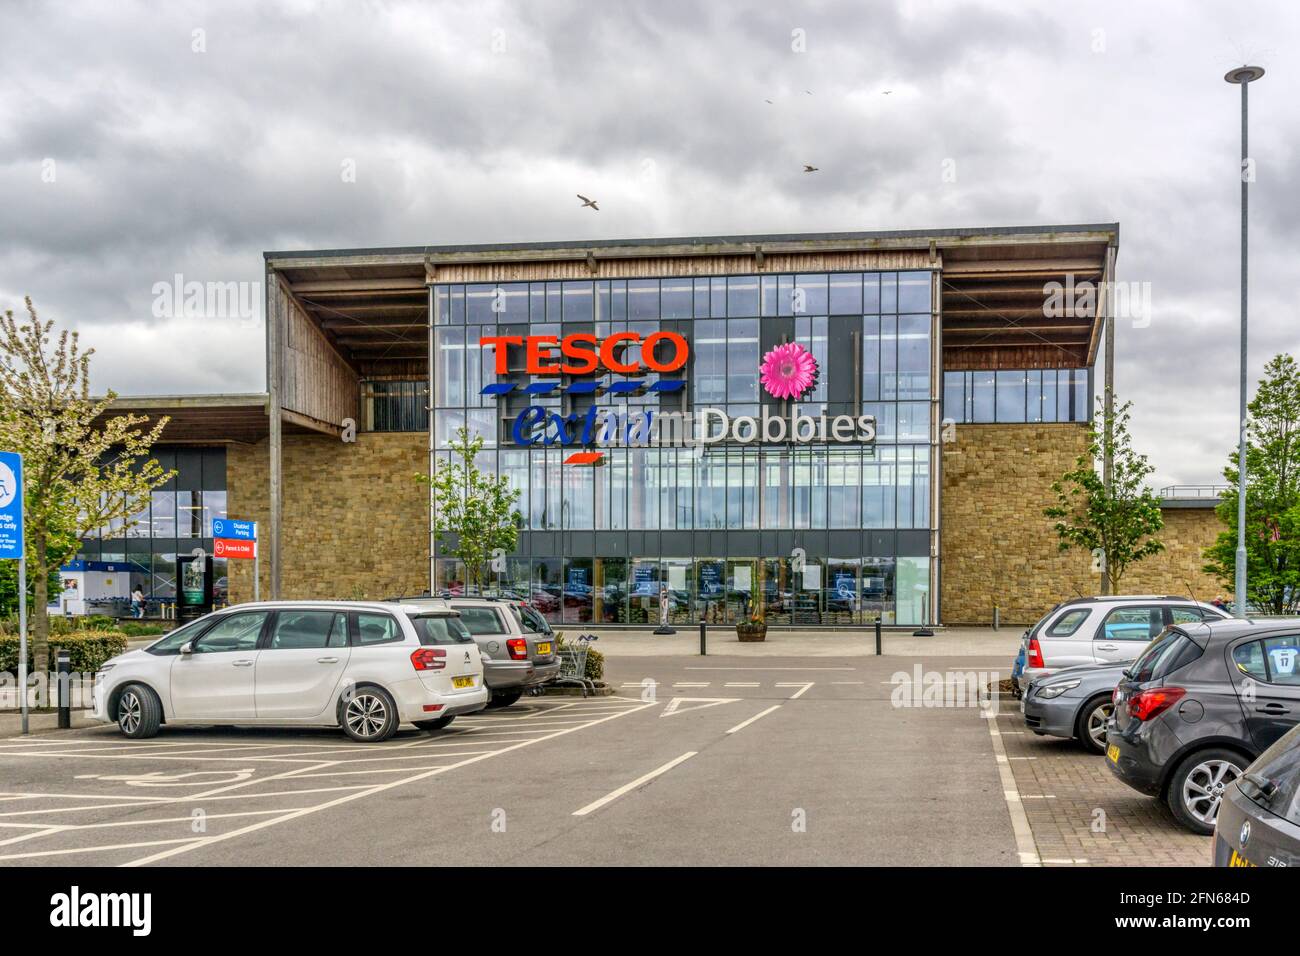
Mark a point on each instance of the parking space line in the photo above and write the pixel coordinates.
(645, 778)
(91, 849)
(741, 684)
(745, 723)
(35, 835)
(1025, 844)
(803, 689)
(378, 788)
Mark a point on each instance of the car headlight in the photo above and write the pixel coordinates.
(1049, 691)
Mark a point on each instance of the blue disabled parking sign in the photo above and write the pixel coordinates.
(233, 529)
(11, 505)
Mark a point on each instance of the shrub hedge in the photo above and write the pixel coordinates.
(87, 649)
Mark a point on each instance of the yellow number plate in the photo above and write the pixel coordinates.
(544, 647)
(1238, 860)
(462, 682)
(1112, 753)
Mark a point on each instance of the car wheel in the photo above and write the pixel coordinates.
(368, 715)
(436, 724)
(139, 712)
(504, 698)
(1197, 785)
(1090, 725)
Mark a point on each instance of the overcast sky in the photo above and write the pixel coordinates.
(142, 141)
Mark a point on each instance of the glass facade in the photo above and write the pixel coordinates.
(1018, 395)
(176, 519)
(597, 542)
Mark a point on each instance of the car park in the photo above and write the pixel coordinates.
(1105, 629)
(1200, 703)
(1073, 703)
(520, 651)
(1259, 818)
(364, 667)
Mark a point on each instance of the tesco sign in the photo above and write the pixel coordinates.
(589, 353)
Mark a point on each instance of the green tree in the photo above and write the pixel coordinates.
(1115, 525)
(476, 507)
(1272, 496)
(82, 469)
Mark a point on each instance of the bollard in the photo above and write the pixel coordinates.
(65, 677)
(877, 637)
(996, 617)
(704, 628)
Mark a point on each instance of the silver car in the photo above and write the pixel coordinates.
(1073, 703)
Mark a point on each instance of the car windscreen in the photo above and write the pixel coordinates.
(1169, 651)
(440, 629)
(171, 643)
(1277, 767)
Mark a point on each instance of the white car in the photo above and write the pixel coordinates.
(365, 667)
(1107, 629)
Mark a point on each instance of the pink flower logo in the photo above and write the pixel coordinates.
(788, 371)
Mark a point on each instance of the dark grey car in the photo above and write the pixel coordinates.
(1198, 705)
(1073, 703)
(1259, 819)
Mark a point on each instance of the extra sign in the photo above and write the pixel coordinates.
(234, 539)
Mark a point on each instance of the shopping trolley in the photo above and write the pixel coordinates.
(573, 664)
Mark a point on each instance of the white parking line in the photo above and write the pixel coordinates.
(378, 788)
(743, 724)
(803, 689)
(1025, 844)
(741, 684)
(646, 778)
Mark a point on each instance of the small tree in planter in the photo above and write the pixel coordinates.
(753, 629)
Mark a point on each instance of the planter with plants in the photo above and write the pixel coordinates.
(753, 629)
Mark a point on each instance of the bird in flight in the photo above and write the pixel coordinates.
(588, 202)
(768, 102)
(810, 169)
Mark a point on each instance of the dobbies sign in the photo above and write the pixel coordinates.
(788, 372)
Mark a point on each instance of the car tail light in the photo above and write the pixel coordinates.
(1035, 657)
(518, 648)
(1149, 703)
(429, 659)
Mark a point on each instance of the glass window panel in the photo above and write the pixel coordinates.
(579, 585)
(904, 486)
(1034, 393)
(481, 303)
(742, 296)
(1049, 395)
(870, 358)
(1010, 396)
(776, 489)
(767, 293)
(888, 292)
(189, 514)
(676, 299)
(846, 294)
(441, 305)
(982, 396)
(446, 424)
(742, 360)
(888, 357)
(1082, 398)
(702, 298)
(710, 361)
(914, 292)
(555, 302)
(920, 487)
(458, 305)
(162, 522)
(844, 484)
(913, 356)
(913, 421)
(579, 494)
(871, 293)
(954, 396)
(913, 591)
(810, 291)
(643, 298)
(711, 493)
(578, 302)
(878, 487)
(449, 372)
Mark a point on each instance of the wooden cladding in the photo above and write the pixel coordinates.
(316, 381)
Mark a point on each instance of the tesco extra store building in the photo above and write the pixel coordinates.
(756, 422)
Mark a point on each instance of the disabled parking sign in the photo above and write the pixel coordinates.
(11, 505)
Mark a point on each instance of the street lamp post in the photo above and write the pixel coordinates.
(1243, 76)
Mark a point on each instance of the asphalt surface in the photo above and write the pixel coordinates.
(695, 761)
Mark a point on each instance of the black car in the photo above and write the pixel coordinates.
(1259, 819)
(1198, 705)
